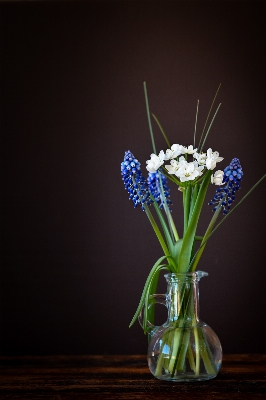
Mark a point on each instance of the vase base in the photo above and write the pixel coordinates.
(186, 377)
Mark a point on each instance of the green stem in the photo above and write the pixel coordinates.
(149, 117)
(172, 178)
(205, 238)
(209, 114)
(210, 127)
(193, 199)
(175, 350)
(188, 240)
(172, 224)
(183, 350)
(187, 198)
(224, 218)
(240, 201)
(160, 362)
(157, 231)
(152, 290)
(196, 124)
(161, 129)
(167, 211)
(164, 226)
(191, 359)
(206, 354)
(197, 350)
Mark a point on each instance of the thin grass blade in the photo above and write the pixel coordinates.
(161, 129)
(149, 117)
(209, 115)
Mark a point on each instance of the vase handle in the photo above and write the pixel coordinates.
(153, 299)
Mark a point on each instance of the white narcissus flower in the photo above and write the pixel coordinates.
(217, 178)
(155, 162)
(176, 166)
(198, 167)
(182, 162)
(175, 151)
(201, 158)
(188, 171)
(173, 168)
(190, 150)
(169, 154)
(184, 170)
(212, 159)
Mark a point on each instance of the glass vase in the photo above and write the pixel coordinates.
(184, 348)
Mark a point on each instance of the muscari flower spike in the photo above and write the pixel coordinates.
(232, 177)
(134, 181)
(155, 182)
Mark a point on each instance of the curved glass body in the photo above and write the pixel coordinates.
(184, 348)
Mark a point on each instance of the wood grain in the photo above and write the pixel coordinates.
(124, 377)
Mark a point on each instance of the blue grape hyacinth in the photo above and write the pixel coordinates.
(232, 177)
(134, 181)
(155, 188)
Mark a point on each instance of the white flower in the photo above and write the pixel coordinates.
(178, 149)
(212, 159)
(201, 158)
(190, 150)
(155, 162)
(176, 165)
(198, 168)
(189, 171)
(185, 171)
(173, 168)
(175, 151)
(182, 161)
(169, 154)
(217, 178)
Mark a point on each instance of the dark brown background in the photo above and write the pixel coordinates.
(75, 254)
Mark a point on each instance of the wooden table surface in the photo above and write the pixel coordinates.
(124, 377)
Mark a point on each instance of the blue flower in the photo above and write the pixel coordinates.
(134, 181)
(232, 177)
(155, 188)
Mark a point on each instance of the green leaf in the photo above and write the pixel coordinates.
(193, 198)
(172, 225)
(157, 230)
(176, 250)
(167, 234)
(172, 178)
(152, 290)
(172, 231)
(148, 311)
(188, 240)
(199, 238)
(196, 258)
(156, 266)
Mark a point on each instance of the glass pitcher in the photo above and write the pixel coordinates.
(184, 348)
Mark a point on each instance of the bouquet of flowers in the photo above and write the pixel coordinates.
(192, 169)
